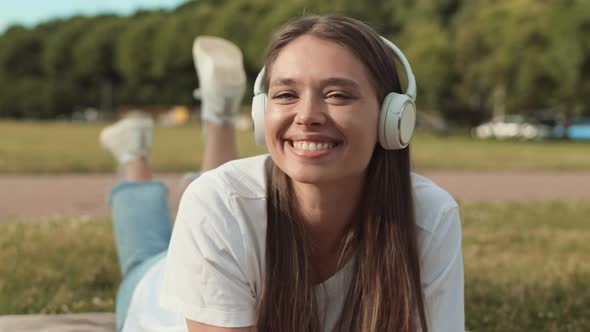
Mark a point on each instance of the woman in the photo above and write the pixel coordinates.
(331, 232)
(330, 216)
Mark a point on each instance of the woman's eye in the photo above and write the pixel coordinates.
(284, 95)
(339, 96)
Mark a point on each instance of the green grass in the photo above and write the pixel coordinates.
(526, 266)
(57, 266)
(459, 152)
(49, 148)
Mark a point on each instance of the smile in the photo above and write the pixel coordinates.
(311, 149)
(312, 146)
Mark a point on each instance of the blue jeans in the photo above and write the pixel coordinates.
(142, 225)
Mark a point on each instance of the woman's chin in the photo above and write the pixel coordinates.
(309, 175)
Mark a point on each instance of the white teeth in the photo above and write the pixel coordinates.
(312, 146)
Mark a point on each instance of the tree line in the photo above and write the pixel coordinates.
(471, 58)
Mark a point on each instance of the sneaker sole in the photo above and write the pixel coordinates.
(218, 62)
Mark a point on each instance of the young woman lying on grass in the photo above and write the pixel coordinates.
(329, 232)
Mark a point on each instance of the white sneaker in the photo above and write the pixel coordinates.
(129, 138)
(222, 78)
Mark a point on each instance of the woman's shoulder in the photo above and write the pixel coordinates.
(229, 201)
(244, 178)
(431, 203)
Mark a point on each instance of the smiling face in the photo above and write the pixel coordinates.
(322, 112)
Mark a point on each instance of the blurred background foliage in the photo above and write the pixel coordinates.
(472, 58)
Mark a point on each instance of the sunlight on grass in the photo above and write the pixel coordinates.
(57, 266)
(465, 153)
(526, 266)
(30, 147)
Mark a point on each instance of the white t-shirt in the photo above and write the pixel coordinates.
(214, 270)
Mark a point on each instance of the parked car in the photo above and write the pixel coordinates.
(512, 127)
(579, 128)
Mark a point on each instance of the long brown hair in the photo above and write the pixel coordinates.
(385, 292)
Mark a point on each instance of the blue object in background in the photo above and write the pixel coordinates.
(579, 129)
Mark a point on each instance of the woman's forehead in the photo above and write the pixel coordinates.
(310, 57)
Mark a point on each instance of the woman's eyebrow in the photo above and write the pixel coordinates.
(282, 82)
(334, 81)
(340, 81)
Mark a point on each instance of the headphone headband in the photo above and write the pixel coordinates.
(258, 82)
(410, 91)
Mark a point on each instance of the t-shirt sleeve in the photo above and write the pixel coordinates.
(442, 275)
(204, 278)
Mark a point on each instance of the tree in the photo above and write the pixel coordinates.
(64, 92)
(571, 36)
(507, 55)
(476, 55)
(172, 57)
(93, 61)
(20, 52)
(134, 60)
(426, 45)
(22, 93)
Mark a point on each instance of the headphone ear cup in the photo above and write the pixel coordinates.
(397, 121)
(258, 109)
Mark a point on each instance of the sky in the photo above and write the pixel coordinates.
(31, 12)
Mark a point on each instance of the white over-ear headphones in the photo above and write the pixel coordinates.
(397, 117)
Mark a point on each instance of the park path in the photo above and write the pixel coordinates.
(34, 197)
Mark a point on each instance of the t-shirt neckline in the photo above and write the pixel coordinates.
(337, 277)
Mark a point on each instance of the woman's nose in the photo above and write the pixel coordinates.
(311, 112)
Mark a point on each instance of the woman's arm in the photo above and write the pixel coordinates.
(200, 327)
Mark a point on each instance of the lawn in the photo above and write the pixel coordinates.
(49, 148)
(526, 266)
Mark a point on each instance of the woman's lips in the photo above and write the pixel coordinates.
(311, 148)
